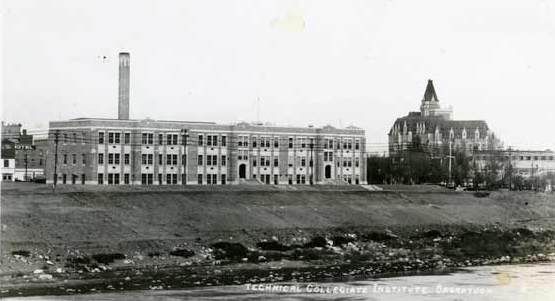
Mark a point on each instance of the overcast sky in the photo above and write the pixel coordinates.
(363, 63)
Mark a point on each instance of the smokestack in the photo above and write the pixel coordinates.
(123, 96)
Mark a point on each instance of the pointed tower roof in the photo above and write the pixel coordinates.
(430, 94)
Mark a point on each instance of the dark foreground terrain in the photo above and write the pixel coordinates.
(91, 239)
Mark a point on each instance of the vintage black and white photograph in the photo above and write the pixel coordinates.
(277, 150)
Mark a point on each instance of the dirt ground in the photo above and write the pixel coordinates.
(77, 233)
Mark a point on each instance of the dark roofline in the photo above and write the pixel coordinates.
(430, 92)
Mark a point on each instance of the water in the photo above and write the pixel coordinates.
(508, 282)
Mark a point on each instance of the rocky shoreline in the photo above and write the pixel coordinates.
(337, 254)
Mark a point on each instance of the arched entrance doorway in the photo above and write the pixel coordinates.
(242, 171)
(327, 172)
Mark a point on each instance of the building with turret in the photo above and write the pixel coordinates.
(433, 128)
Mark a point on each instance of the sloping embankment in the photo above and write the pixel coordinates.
(93, 239)
(137, 219)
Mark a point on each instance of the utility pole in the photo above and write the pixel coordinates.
(450, 156)
(184, 163)
(25, 178)
(56, 134)
(311, 163)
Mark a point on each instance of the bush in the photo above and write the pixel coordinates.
(182, 252)
(23, 253)
(107, 258)
(229, 250)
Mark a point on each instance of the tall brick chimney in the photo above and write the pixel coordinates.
(123, 96)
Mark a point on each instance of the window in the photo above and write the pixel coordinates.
(276, 142)
(290, 142)
(110, 141)
(83, 156)
(199, 160)
(100, 137)
(223, 161)
(168, 178)
(356, 162)
(116, 159)
(100, 178)
(117, 141)
(184, 160)
(110, 160)
(208, 160)
(127, 138)
(254, 162)
(74, 159)
(276, 179)
(276, 162)
(200, 140)
(147, 138)
(160, 139)
(126, 159)
(64, 178)
(209, 140)
(160, 179)
(160, 160)
(215, 160)
(224, 140)
(168, 159)
(6, 163)
(303, 161)
(357, 145)
(199, 179)
(143, 159)
(222, 177)
(74, 140)
(116, 179)
(253, 141)
(100, 158)
(126, 178)
(65, 159)
(83, 179)
(150, 159)
(243, 141)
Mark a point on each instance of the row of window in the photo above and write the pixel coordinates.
(212, 140)
(243, 141)
(522, 158)
(74, 179)
(211, 179)
(211, 160)
(73, 158)
(215, 140)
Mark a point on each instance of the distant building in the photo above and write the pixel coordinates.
(28, 156)
(11, 131)
(433, 128)
(8, 160)
(524, 163)
(124, 151)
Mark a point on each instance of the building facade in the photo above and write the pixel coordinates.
(433, 128)
(28, 156)
(524, 163)
(151, 152)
